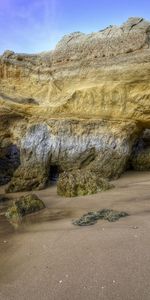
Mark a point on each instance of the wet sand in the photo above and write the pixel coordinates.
(48, 258)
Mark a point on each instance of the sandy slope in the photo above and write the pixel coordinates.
(54, 260)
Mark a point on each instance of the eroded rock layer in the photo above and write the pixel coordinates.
(82, 105)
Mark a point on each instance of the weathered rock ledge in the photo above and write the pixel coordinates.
(85, 104)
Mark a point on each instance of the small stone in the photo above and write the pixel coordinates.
(5, 242)
(60, 281)
(114, 281)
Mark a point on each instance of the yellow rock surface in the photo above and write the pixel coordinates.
(102, 75)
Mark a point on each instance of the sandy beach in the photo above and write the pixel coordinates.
(48, 258)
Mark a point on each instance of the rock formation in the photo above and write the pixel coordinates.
(84, 104)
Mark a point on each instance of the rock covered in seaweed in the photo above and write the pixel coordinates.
(80, 183)
(25, 205)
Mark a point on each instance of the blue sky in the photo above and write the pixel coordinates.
(32, 26)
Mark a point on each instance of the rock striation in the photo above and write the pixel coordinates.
(84, 104)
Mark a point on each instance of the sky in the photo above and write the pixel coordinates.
(32, 26)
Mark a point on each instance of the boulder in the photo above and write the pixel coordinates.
(25, 205)
(80, 183)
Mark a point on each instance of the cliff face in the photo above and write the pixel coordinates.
(82, 105)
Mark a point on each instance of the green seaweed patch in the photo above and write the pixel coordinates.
(106, 214)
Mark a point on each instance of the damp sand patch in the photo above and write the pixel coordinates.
(105, 214)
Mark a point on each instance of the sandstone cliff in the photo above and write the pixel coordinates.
(83, 105)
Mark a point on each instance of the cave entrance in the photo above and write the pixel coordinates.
(9, 162)
(140, 157)
(54, 173)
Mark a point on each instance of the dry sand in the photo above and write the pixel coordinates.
(48, 258)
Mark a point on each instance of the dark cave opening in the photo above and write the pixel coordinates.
(54, 173)
(9, 162)
(140, 156)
